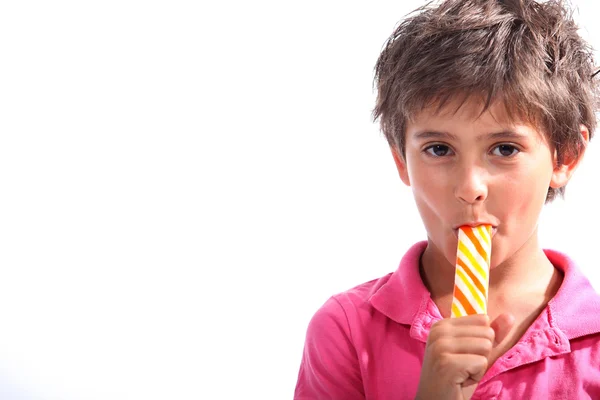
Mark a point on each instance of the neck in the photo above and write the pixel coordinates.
(527, 272)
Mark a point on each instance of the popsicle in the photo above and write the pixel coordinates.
(471, 278)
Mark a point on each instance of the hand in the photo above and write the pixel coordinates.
(457, 354)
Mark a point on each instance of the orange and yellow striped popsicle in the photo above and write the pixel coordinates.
(472, 270)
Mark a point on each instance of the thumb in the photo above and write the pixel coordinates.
(502, 326)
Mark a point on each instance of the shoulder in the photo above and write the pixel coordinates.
(330, 366)
(342, 308)
(358, 297)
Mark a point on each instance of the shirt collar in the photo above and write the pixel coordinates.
(576, 306)
(405, 299)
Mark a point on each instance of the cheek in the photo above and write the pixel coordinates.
(523, 193)
(424, 181)
(431, 190)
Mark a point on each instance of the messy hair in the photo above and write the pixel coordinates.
(526, 55)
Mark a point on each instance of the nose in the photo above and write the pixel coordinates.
(471, 185)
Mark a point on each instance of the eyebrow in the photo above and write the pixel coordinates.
(506, 134)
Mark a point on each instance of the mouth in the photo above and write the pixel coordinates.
(494, 230)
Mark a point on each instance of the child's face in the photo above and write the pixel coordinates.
(465, 169)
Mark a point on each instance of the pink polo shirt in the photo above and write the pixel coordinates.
(369, 342)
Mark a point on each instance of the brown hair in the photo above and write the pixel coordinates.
(525, 54)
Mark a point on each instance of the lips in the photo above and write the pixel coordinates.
(494, 228)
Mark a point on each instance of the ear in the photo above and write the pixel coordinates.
(562, 173)
(400, 165)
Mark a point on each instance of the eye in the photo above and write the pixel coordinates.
(438, 150)
(505, 150)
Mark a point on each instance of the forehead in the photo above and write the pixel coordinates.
(471, 114)
(471, 109)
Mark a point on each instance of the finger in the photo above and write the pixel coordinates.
(467, 345)
(471, 320)
(459, 368)
(477, 368)
(502, 326)
(469, 382)
(440, 331)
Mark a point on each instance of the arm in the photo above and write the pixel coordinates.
(330, 367)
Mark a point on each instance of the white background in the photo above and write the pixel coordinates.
(183, 184)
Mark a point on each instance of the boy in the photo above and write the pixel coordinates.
(488, 107)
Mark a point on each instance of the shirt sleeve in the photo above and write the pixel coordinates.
(330, 367)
